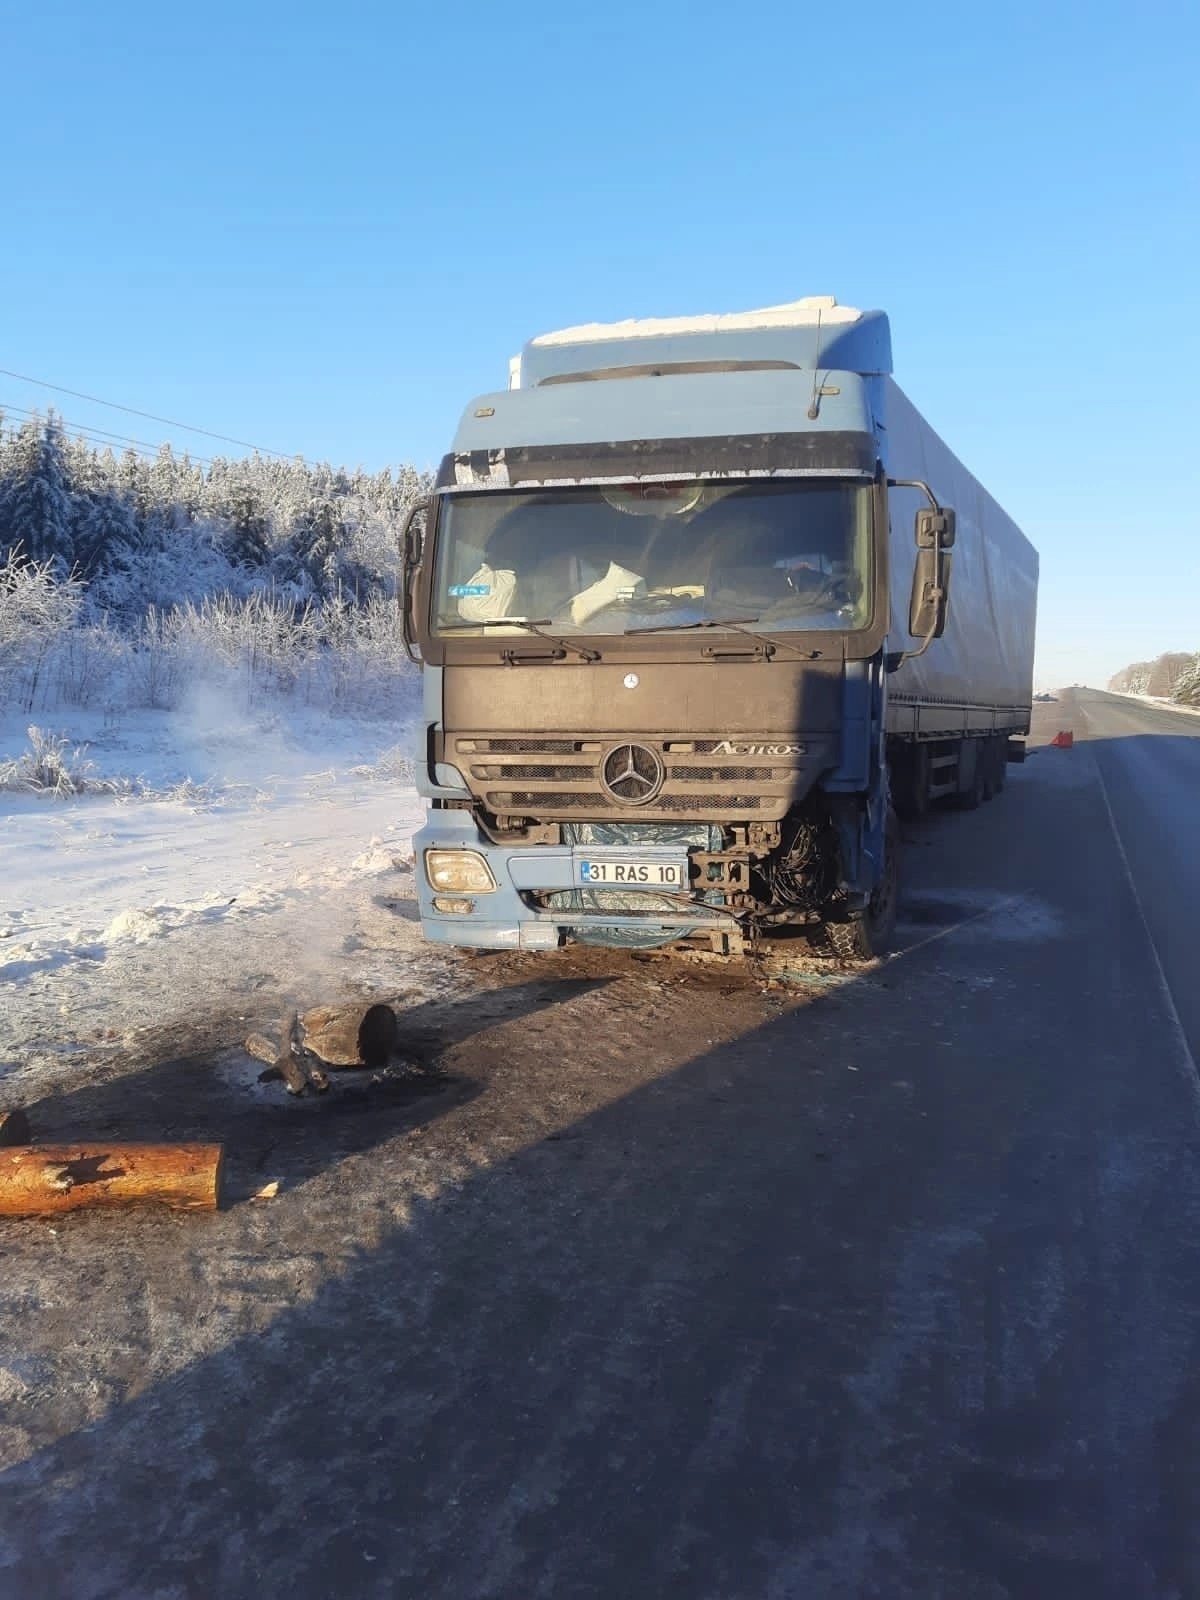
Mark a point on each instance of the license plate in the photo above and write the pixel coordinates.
(631, 874)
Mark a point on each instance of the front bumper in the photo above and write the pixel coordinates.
(504, 919)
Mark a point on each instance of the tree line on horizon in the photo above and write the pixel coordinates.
(1174, 675)
(139, 531)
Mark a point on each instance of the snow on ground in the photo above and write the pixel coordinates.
(237, 870)
(1164, 705)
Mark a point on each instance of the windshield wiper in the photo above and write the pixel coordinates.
(537, 627)
(735, 625)
(682, 627)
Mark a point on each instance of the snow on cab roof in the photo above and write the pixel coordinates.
(805, 313)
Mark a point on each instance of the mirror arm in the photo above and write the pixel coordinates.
(895, 659)
(915, 483)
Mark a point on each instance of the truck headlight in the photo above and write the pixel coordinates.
(458, 871)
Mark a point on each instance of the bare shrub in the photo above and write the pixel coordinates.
(156, 663)
(88, 661)
(266, 641)
(37, 612)
(364, 667)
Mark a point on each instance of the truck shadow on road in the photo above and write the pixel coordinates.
(867, 1299)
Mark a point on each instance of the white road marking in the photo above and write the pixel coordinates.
(1172, 1010)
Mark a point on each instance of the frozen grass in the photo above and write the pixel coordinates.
(391, 766)
(53, 766)
(37, 614)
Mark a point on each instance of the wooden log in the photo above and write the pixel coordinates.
(349, 1036)
(14, 1128)
(40, 1180)
(262, 1048)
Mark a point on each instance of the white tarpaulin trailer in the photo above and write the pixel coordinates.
(979, 674)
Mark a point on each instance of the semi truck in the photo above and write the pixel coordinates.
(702, 603)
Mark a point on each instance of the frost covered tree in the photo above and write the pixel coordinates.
(1166, 673)
(1132, 679)
(35, 503)
(169, 530)
(104, 528)
(1159, 678)
(1187, 685)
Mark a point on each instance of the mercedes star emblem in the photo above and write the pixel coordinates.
(632, 774)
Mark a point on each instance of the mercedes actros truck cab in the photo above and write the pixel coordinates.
(698, 603)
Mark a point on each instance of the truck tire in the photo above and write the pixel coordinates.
(987, 760)
(869, 935)
(911, 783)
(1001, 753)
(973, 795)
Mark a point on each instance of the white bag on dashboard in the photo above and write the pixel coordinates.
(488, 593)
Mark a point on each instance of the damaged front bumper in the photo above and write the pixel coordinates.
(539, 903)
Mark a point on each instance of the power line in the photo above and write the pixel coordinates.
(102, 436)
(119, 443)
(107, 441)
(149, 415)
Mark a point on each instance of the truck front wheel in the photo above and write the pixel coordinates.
(869, 935)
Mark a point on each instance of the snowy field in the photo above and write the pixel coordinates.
(218, 862)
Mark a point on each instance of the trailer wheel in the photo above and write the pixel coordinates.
(1001, 756)
(869, 935)
(987, 760)
(975, 793)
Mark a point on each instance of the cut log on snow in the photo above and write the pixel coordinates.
(348, 1036)
(14, 1128)
(338, 1036)
(39, 1180)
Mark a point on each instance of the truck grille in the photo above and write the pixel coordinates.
(544, 801)
(521, 747)
(524, 771)
(728, 774)
(560, 776)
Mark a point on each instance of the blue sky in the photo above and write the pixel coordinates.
(323, 228)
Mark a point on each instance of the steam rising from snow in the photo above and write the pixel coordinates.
(236, 892)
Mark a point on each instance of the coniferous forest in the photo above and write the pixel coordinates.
(138, 530)
(1172, 676)
(123, 575)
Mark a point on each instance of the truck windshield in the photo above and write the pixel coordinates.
(789, 554)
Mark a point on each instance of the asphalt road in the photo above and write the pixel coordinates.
(879, 1287)
(1148, 759)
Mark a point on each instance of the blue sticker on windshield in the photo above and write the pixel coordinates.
(461, 591)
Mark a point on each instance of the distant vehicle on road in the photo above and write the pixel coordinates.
(1046, 699)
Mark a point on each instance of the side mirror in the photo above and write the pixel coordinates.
(930, 592)
(412, 534)
(934, 528)
(412, 538)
